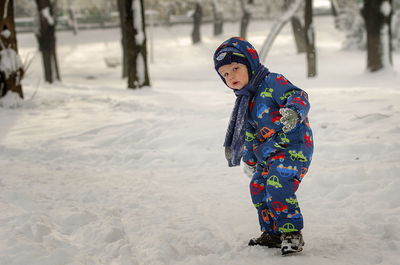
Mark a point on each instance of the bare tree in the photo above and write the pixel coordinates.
(246, 16)
(11, 69)
(122, 15)
(377, 15)
(218, 17)
(47, 40)
(134, 42)
(310, 40)
(297, 22)
(197, 20)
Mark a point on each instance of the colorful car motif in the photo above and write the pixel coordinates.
(308, 140)
(279, 207)
(299, 156)
(291, 200)
(287, 228)
(279, 156)
(267, 150)
(283, 138)
(268, 197)
(298, 100)
(261, 110)
(274, 181)
(295, 215)
(266, 132)
(267, 93)
(249, 137)
(275, 117)
(288, 171)
(265, 217)
(282, 80)
(286, 95)
(255, 188)
(304, 171)
(257, 205)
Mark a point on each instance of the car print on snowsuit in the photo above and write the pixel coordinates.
(261, 110)
(279, 207)
(274, 181)
(288, 171)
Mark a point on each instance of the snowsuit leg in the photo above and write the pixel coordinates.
(258, 196)
(276, 202)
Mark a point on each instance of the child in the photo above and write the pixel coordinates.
(269, 129)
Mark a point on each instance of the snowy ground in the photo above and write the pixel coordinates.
(93, 173)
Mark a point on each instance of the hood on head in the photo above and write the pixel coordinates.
(243, 47)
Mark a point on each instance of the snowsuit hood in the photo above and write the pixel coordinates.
(238, 45)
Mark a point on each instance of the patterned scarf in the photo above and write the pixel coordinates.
(235, 134)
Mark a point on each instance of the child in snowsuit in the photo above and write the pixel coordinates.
(269, 130)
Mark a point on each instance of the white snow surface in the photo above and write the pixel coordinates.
(94, 173)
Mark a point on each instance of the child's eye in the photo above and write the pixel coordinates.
(235, 68)
(225, 75)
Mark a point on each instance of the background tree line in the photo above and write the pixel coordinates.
(373, 25)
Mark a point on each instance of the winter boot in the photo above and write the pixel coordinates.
(291, 242)
(266, 239)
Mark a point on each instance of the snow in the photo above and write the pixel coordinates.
(10, 62)
(5, 9)
(140, 63)
(46, 14)
(385, 46)
(11, 100)
(94, 173)
(6, 33)
(137, 21)
(386, 8)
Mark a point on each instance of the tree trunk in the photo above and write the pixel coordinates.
(135, 43)
(121, 9)
(377, 16)
(72, 20)
(218, 18)
(11, 69)
(197, 19)
(334, 8)
(47, 40)
(310, 40)
(299, 34)
(245, 20)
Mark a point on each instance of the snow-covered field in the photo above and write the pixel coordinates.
(94, 173)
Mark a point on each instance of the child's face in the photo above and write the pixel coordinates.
(235, 75)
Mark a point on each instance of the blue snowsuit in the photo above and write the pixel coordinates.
(281, 159)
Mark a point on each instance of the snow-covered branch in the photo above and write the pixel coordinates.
(46, 14)
(277, 27)
(137, 21)
(5, 9)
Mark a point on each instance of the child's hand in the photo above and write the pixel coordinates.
(289, 119)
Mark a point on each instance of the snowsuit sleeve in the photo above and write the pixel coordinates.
(248, 153)
(290, 96)
(283, 95)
